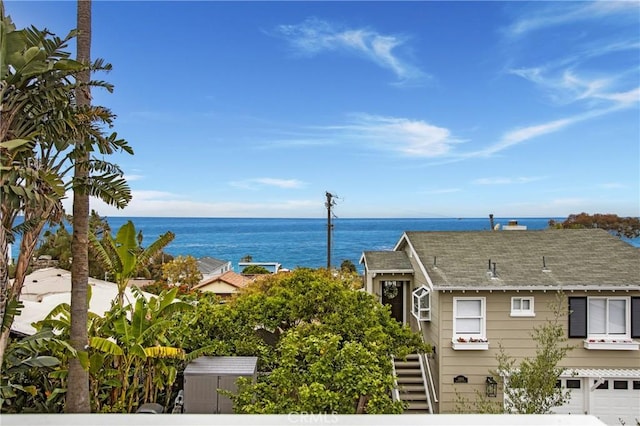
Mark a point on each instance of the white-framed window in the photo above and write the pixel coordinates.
(522, 307)
(421, 304)
(608, 317)
(469, 318)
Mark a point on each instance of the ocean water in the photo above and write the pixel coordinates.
(294, 242)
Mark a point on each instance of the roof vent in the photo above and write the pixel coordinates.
(544, 265)
(492, 272)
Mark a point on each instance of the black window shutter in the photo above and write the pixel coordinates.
(635, 317)
(577, 317)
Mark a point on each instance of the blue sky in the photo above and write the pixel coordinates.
(401, 109)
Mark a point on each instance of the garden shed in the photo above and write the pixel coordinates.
(204, 376)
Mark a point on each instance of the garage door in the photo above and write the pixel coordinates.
(576, 403)
(616, 401)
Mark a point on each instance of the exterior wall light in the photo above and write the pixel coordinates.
(492, 387)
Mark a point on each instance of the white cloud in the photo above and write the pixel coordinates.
(133, 177)
(166, 204)
(314, 36)
(562, 13)
(415, 138)
(566, 86)
(506, 180)
(524, 134)
(611, 185)
(257, 183)
(442, 191)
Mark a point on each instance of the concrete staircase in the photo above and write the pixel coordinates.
(411, 387)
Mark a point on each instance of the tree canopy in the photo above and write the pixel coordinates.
(628, 227)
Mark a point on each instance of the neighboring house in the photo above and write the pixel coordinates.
(469, 293)
(224, 285)
(211, 267)
(46, 288)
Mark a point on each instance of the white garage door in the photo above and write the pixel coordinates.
(616, 401)
(576, 403)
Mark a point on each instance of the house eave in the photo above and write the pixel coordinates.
(391, 271)
(572, 288)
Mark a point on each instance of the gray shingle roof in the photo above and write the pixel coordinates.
(573, 258)
(393, 261)
(207, 265)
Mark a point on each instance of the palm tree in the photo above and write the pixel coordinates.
(123, 255)
(37, 129)
(78, 400)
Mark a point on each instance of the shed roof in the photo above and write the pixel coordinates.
(544, 258)
(223, 366)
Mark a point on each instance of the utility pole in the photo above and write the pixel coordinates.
(329, 203)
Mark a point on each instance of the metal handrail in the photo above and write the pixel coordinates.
(424, 380)
(433, 389)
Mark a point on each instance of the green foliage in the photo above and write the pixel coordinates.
(628, 227)
(183, 270)
(31, 373)
(57, 244)
(255, 270)
(134, 353)
(347, 266)
(319, 373)
(322, 347)
(323, 344)
(123, 256)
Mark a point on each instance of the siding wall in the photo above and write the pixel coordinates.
(219, 288)
(514, 334)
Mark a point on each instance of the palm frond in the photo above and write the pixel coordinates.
(105, 345)
(164, 352)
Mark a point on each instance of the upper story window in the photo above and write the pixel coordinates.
(522, 307)
(608, 317)
(421, 306)
(469, 318)
(608, 323)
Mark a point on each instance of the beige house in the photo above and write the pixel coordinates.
(469, 292)
(224, 285)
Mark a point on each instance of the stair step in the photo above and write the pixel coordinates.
(410, 356)
(409, 372)
(406, 364)
(411, 388)
(408, 380)
(418, 406)
(413, 397)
